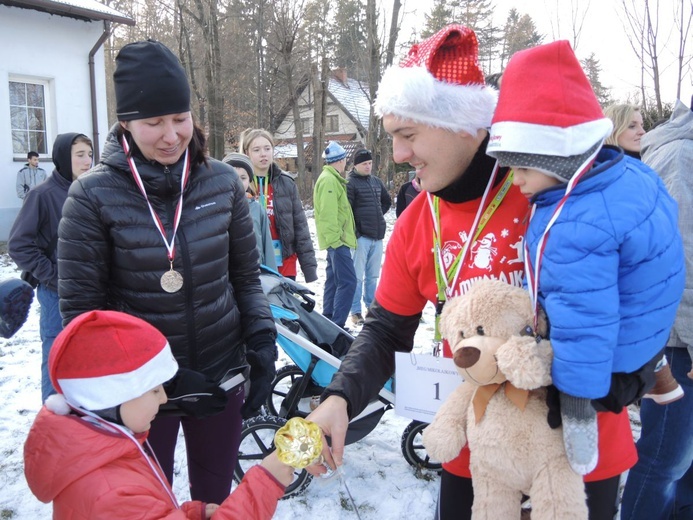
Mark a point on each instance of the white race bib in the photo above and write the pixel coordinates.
(422, 383)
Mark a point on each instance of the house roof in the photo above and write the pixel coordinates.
(80, 9)
(352, 95)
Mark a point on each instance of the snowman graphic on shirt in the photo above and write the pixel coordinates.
(483, 252)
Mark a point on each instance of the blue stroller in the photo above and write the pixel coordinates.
(316, 347)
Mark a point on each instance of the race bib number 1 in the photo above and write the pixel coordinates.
(422, 383)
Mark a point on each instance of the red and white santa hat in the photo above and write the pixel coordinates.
(547, 108)
(439, 84)
(105, 358)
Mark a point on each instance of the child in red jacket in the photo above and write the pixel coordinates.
(87, 450)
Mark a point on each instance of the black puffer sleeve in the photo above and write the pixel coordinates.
(370, 361)
(83, 256)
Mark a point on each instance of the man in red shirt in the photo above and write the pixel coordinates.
(468, 224)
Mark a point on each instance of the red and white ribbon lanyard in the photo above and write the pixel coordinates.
(446, 281)
(170, 246)
(153, 462)
(533, 275)
(449, 287)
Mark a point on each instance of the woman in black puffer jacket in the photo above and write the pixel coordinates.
(200, 284)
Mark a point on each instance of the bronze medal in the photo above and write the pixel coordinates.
(171, 281)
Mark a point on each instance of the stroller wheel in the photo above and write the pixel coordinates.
(413, 448)
(257, 441)
(288, 377)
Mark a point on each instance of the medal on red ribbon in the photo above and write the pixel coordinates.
(171, 281)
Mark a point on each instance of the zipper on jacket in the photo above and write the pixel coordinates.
(188, 290)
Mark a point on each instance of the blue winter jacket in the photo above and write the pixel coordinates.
(612, 272)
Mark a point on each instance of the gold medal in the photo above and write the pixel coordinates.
(171, 281)
(299, 443)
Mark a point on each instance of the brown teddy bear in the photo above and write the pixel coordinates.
(500, 409)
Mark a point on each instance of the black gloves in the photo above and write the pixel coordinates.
(554, 403)
(193, 394)
(626, 388)
(260, 355)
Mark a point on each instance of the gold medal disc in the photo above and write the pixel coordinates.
(171, 281)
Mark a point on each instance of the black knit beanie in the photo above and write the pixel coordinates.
(149, 82)
(362, 155)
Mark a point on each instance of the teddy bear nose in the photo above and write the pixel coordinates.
(466, 357)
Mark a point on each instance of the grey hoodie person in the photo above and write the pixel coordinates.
(29, 177)
(668, 149)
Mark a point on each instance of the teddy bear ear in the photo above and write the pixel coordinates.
(525, 363)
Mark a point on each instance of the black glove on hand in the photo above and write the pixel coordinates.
(554, 403)
(626, 388)
(260, 355)
(193, 394)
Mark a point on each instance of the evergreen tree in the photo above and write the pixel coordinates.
(441, 15)
(592, 70)
(520, 33)
(475, 14)
(350, 40)
(478, 15)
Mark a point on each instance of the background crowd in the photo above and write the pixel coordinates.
(94, 245)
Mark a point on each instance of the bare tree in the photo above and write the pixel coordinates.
(683, 15)
(320, 79)
(381, 141)
(206, 17)
(286, 24)
(578, 14)
(642, 19)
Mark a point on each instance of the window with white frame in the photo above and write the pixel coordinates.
(28, 116)
(332, 124)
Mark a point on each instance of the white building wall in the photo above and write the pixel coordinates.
(56, 49)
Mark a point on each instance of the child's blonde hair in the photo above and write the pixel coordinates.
(249, 135)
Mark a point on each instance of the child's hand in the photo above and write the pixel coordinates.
(210, 509)
(282, 472)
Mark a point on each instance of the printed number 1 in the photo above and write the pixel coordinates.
(437, 397)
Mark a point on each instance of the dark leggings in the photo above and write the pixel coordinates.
(456, 497)
(212, 448)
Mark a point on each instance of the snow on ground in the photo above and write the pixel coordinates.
(383, 485)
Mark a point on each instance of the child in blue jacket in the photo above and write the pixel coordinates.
(603, 254)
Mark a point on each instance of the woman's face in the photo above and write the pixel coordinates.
(163, 139)
(629, 139)
(81, 159)
(260, 152)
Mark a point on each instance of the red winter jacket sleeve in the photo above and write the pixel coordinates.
(255, 498)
